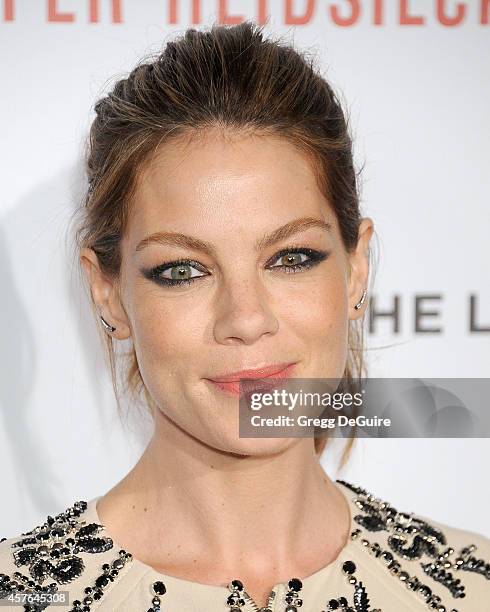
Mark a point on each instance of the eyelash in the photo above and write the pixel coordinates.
(315, 258)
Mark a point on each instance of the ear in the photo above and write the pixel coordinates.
(359, 268)
(105, 295)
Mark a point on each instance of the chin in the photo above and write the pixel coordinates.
(257, 447)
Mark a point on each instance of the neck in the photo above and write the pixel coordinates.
(266, 518)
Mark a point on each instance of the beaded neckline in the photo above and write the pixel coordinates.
(59, 548)
(92, 515)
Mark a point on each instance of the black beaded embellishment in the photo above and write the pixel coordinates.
(293, 602)
(53, 550)
(239, 597)
(425, 540)
(292, 599)
(158, 589)
(411, 537)
(434, 570)
(433, 601)
(467, 562)
(236, 600)
(109, 574)
(21, 583)
(360, 598)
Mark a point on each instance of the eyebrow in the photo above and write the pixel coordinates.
(196, 244)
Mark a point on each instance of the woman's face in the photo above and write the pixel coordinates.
(233, 260)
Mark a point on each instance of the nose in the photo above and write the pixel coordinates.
(243, 313)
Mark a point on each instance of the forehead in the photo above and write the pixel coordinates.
(222, 177)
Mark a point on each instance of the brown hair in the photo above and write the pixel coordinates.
(230, 77)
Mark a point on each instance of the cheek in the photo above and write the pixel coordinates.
(319, 316)
(166, 332)
(320, 306)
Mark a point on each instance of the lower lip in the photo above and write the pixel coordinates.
(233, 387)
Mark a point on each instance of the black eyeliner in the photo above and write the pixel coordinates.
(315, 257)
(153, 274)
(314, 254)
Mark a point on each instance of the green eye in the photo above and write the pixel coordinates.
(296, 259)
(183, 272)
(187, 271)
(176, 273)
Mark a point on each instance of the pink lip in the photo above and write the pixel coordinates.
(231, 382)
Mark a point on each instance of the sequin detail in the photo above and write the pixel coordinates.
(360, 597)
(53, 550)
(411, 538)
(158, 589)
(109, 573)
(239, 597)
(469, 563)
(57, 550)
(292, 600)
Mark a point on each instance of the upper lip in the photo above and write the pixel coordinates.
(262, 372)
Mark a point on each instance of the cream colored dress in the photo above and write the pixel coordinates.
(394, 562)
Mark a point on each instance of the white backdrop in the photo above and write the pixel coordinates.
(418, 94)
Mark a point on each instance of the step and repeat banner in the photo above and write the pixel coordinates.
(414, 76)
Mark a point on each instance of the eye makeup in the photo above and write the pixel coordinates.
(181, 270)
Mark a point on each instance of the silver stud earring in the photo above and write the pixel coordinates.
(360, 302)
(108, 327)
